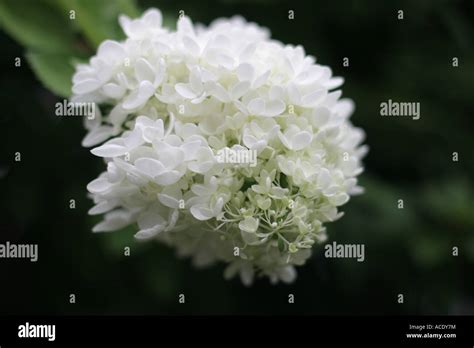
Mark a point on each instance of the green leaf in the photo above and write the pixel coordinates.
(169, 20)
(48, 28)
(53, 70)
(37, 24)
(98, 20)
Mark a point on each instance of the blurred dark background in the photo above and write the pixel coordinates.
(408, 251)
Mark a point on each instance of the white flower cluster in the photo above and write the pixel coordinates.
(171, 100)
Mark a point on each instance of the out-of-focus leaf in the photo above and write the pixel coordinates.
(37, 24)
(451, 202)
(98, 20)
(53, 70)
(47, 29)
(169, 20)
(116, 242)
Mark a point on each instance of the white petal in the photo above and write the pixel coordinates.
(324, 179)
(99, 185)
(144, 121)
(139, 97)
(241, 106)
(274, 108)
(125, 22)
(344, 107)
(249, 140)
(151, 134)
(245, 72)
(199, 99)
(149, 166)
(207, 75)
(261, 79)
(220, 93)
(133, 139)
(109, 149)
(276, 92)
(102, 207)
(339, 199)
(247, 274)
(170, 197)
(218, 207)
(301, 140)
(153, 18)
(225, 61)
(334, 83)
(91, 123)
(231, 270)
(293, 94)
(114, 220)
(114, 173)
(150, 223)
(185, 90)
(168, 201)
(287, 274)
(150, 219)
(248, 237)
(148, 233)
(256, 106)
(284, 140)
(240, 89)
(86, 86)
(172, 157)
(168, 178)
(249, 224)
(248, 51)
(117, 116)
(320, 116)
(191, 45)
(332, 98)
(111, 51)
(96, 136)
(144, 71)
(313, 98)
(190, 149)
(200, 167)
(195, 80)
(310, 75)
(113, 90)
(201, 212)
(200, 190)
(185, 25)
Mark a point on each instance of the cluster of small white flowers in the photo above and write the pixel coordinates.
(172, 99)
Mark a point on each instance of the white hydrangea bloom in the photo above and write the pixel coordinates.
(174, 99)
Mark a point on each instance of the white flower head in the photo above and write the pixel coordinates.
(173, 100)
